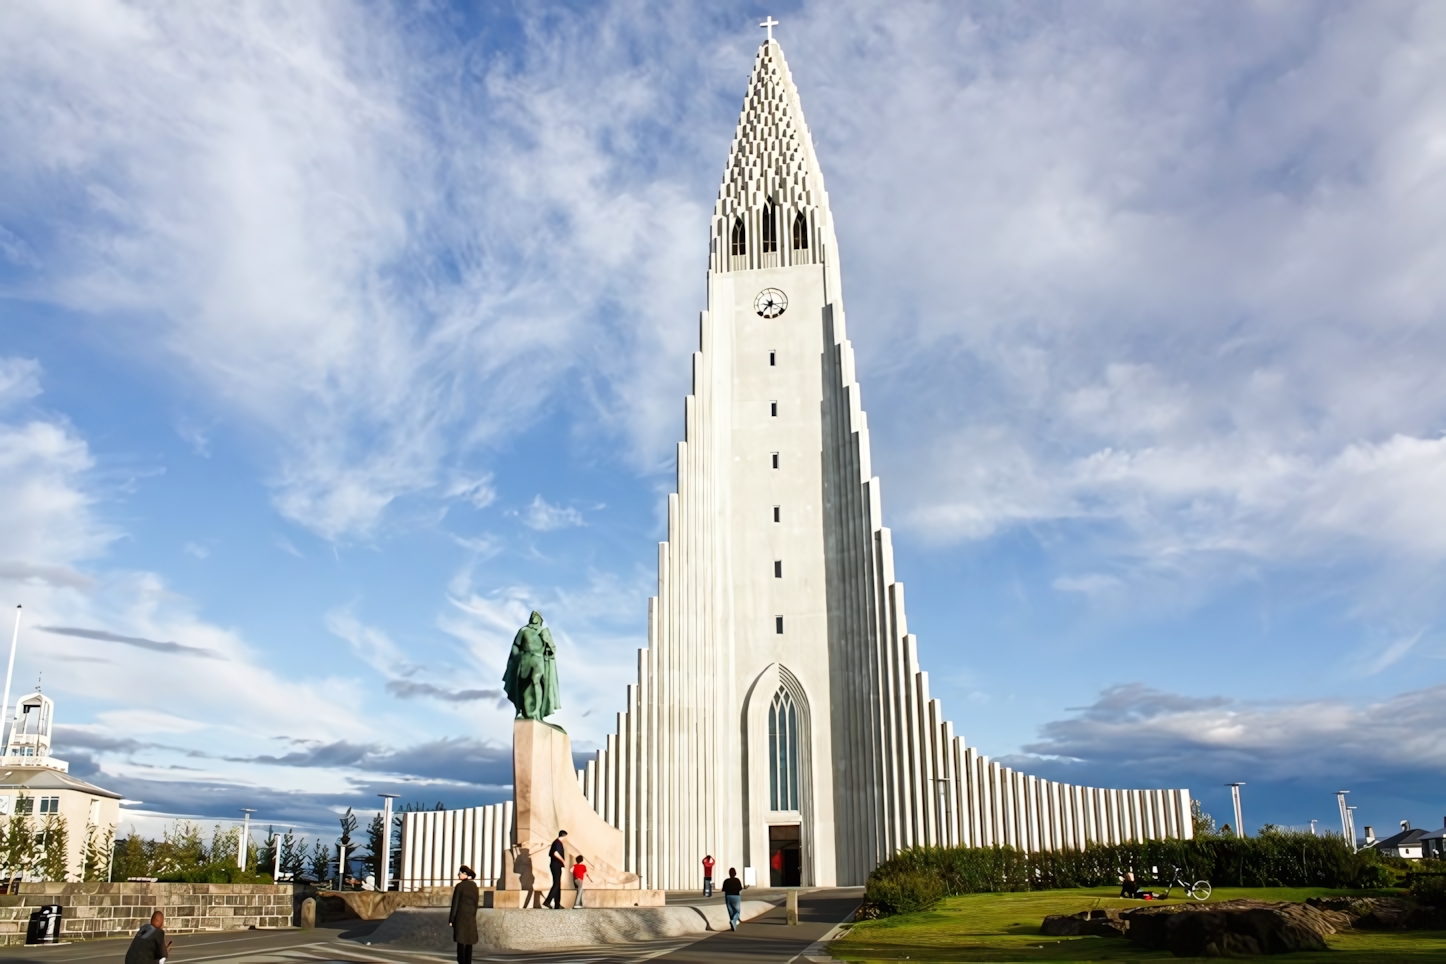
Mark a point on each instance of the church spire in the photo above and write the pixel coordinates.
(772, 210)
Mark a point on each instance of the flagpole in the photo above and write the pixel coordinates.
(9, 673)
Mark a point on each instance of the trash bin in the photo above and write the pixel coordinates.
(44, 927)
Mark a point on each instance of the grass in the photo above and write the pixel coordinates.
(1005, 927)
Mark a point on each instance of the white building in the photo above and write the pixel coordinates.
(36, 785)
(780, 720)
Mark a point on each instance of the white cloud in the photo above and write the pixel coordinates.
(1148, 731)
(541, 515)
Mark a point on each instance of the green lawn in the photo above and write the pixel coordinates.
(1005, 927)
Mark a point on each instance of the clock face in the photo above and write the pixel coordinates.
(770, 303)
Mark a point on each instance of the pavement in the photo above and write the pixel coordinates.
(765, 938)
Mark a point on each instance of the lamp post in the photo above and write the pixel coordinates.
(1346, 829)
(384, 871)
(245, 838)
(276, 859)
(1235, 798)
(9, 673)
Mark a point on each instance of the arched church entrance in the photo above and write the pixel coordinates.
(778, 774)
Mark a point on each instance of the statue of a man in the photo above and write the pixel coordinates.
(531, 678)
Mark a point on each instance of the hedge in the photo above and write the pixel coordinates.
(916, 878)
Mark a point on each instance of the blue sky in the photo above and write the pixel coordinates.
(335, 338)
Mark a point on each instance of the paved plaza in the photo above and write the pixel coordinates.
(765, 938)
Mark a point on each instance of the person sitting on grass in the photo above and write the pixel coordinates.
(1128, 887)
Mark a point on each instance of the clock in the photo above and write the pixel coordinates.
(770, 303)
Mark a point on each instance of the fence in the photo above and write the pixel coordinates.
(436, 842)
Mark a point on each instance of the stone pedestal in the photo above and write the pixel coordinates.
(548, 800)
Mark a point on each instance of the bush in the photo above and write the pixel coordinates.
(915, 878)
(215, 874)
(1428, 885)
(901, 893)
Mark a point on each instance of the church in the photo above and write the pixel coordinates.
(780, 720)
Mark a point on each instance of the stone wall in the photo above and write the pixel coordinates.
(105, 910)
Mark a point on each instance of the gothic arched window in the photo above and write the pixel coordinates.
(800, 232)
(740, 238)
(782, 752)
(770, 229)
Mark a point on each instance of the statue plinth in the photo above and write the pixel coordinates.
(549, 799)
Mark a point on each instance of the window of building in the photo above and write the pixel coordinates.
(775, 460)
(778, 569)
(777, 513)
(49, 804)
(25, 805)
(773, 358)
(778, 624)
(773, 409)
(800, 231)
(740, 238)
(782, 752)
(770, 229)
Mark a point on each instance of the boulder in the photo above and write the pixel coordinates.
(1380, 913)
(1087, 923)
(1229, 928)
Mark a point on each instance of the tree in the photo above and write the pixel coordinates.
(20, 846)
(95, 853)
(55, 855)
(1204, 824)
(131, 858)
(266, 857)
(376, 843)
(293, 855)
(320, 861)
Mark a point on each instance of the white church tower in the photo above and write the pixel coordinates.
(780, 721)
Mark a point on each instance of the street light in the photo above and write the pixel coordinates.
(1235, 798)
(1347, 829)
(245, 838)
(385, 870)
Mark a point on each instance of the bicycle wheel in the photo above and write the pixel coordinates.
(1201, 890)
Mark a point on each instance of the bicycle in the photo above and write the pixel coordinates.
(1200, 889)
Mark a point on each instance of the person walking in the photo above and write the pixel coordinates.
(557, 860)
(708, 863)
(463, 916)
(150, 945)
(733, 897)
(579, 874)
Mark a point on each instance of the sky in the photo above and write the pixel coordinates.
(336, 337)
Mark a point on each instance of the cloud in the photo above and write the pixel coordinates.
(179, 649)
(19, 378)
(407, 689)
(458, 760)
(544, 517)
(1153, 735)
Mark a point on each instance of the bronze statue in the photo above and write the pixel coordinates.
(531, 678)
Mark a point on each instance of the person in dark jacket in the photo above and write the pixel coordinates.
(557, 860)
(463, 917)
(150, 945)
(733, 897)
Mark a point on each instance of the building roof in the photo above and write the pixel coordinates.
(45, 778)
(1405, 838)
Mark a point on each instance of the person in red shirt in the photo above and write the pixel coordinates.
(579, 874)
(708, 862)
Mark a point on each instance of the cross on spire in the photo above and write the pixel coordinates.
(769, 24)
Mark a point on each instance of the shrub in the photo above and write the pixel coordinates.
(1428, 885)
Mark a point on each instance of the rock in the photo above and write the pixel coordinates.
(1229, 928)
(1087, 923)
(1380, 913)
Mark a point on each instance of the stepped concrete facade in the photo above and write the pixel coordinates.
(780, 720)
